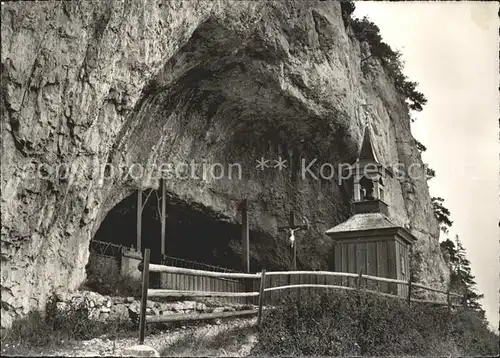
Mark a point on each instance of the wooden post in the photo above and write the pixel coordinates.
(163, 216)
(245, 236)
(360, 276)
(291, 224)
(295, 256)
(144, 296)
(261, 297)
(448, 300)
(410, 255)
(139, 219)
(408, 299)
(163, 239)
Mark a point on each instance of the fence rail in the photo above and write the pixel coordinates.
(434, 289)
(180, 293)
(198, 316)
(146, 268)
(201, 273)
(317, 273)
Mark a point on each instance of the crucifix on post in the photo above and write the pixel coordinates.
(291, 229)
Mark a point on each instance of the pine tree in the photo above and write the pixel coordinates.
(441, 213)
(461, 279)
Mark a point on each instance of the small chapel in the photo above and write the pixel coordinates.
(370, 241)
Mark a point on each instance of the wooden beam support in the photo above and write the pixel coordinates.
(292, 225)
(197, 316)
(409, 291)
(417, 285)
(360, 276)
(295, 256)
(309, 285)
(202, 273)
(183, 293)
(245, 236)
(320, 273)
(261, 297)
(163, 216)
(144, 296)
(448, 300)
(139, 220)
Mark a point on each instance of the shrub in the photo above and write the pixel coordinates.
(472, 334)
(352, 323)
(30, 331)
(75, 322)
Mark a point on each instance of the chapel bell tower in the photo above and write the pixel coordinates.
(371, 241)
(369, 178)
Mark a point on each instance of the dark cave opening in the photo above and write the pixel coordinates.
(192, 233)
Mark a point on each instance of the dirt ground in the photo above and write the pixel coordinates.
(234, 338)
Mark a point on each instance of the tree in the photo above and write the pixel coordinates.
(441, 213)
(347, 8)
(409, 90)
(429, 173)
(367, 31)
(461, 278)
(420, 146)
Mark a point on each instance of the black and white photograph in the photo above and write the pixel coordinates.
(232, 178)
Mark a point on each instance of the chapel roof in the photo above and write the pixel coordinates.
(367, 152)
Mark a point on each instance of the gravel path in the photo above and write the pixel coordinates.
(232, 337)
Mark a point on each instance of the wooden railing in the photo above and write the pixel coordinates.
(146, 268)
(188, 282)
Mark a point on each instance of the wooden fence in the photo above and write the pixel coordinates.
(195, 283)
(270, 288)
(187, 282)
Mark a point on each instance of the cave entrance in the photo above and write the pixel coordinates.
(193, 232)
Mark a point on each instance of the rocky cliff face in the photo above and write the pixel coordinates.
(123, 84)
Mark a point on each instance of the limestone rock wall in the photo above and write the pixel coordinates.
(149, 82)
(128, 309)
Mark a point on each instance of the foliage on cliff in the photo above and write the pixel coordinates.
(350, 323)
(367, 31)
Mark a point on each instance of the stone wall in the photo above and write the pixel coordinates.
(109, 308)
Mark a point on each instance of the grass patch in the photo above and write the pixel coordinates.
(209, 341)
(56, 329)
(190, 343)
(351, 323)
